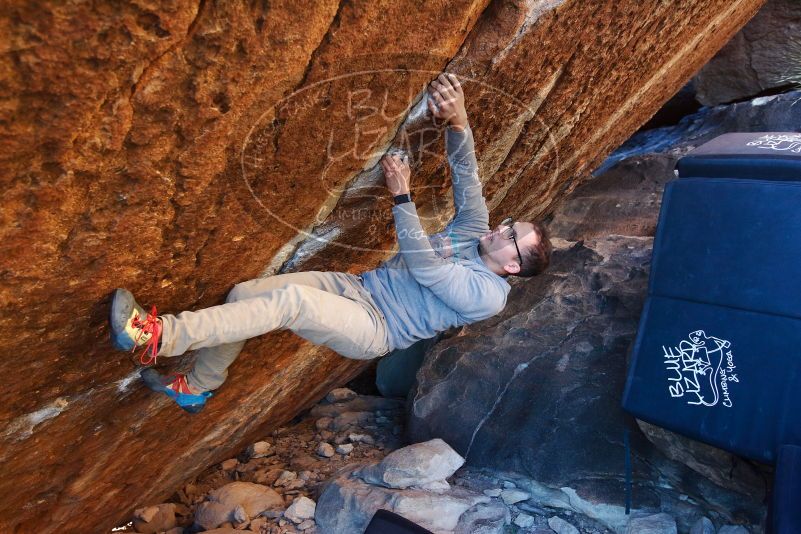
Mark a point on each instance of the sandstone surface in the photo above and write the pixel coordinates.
(175, 149)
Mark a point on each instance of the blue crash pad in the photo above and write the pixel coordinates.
(730, 242)
(756, 155)
(724, 376)
(718, 351)
(785, 510)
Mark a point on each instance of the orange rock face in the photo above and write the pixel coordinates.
(177, 149)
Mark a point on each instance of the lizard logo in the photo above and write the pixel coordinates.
(700, 369)
(782, 142)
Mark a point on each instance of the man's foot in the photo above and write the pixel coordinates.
(132, 327)
(176, 388)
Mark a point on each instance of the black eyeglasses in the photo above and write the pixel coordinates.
(509, 233)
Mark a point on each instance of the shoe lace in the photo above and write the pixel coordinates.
(150, 326)
(180, 385)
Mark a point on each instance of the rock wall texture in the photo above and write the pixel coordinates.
(176, 148)
(765, 56)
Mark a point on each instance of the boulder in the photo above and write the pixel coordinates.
(178, 148)
(513, 496)
(285, 478)
(347, 504)
(348, 420)
(323, 423)
(307, 524)
(361, 438)
(765, 56)
(524, 521)
(413, 465)
(345, 448)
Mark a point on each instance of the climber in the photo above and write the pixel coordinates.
(453, 278)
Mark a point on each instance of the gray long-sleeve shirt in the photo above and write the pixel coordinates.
(437, 282)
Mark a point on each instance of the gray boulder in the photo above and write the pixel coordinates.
(348, 503)
(765, 55)
(414, 465)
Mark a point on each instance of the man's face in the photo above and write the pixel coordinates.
(503, 251)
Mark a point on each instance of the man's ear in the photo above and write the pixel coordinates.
(512, 267)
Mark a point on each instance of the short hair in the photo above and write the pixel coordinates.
(537, 258)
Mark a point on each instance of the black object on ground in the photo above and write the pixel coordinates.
(386, 522)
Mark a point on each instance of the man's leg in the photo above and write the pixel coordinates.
(326, 308)
(211, 363)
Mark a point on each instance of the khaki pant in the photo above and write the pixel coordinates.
(327, 308)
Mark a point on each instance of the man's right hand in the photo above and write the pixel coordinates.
(396, 173)
(447, 93)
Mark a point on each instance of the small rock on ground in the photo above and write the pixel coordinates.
(703, 526)
(302, 509)
(345, 448)
(325, 450)
(524, 521)
(340, 395)
(560, 526)
(512, 496)
(652, 524)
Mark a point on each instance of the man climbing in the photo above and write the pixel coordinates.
(453, 278)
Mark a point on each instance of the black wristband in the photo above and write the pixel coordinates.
(400, 199)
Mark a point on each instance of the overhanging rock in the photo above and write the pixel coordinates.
(176, 151)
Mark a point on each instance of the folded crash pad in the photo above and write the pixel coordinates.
(718, 351)
(756, 155)
(785, 510)
(721, 375)
(730, 242)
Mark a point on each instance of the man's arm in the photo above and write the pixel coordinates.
(472, 216)
(446, 103)
(472, 294)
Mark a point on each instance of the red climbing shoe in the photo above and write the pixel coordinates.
(176, 388)
(131, 327)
